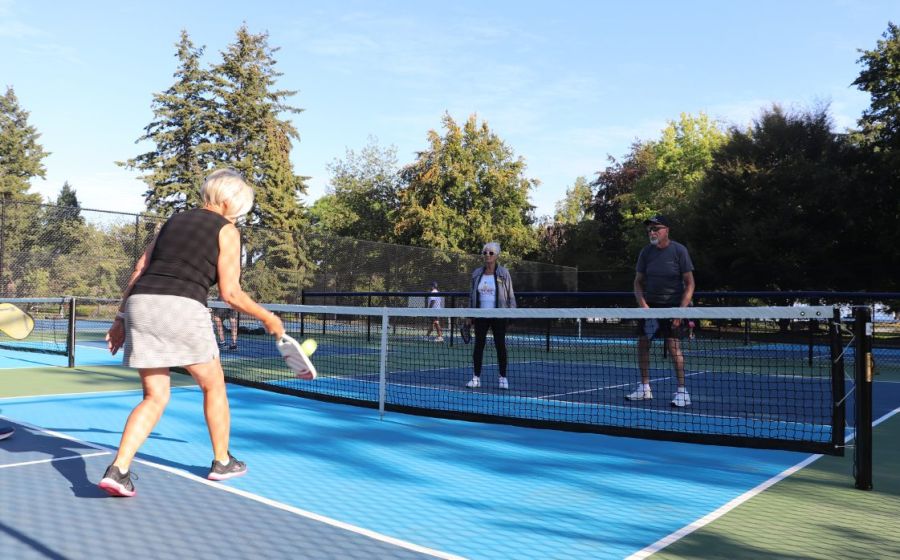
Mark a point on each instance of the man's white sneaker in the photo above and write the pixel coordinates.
(681, 398)
(640, 395)
(504, 383)
(474, 383)
(439, 339)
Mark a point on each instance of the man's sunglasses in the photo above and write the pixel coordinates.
(491, 253)
(655, 228)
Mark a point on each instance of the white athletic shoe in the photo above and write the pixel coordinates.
(681, 398)
(640, 395)
(439, 339)
(474, 383)
(504, 383)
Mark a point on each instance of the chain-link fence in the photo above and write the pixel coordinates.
(48, 251)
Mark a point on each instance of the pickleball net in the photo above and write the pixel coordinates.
(769, 377)
(53, 326)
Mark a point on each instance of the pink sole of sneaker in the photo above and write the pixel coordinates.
(115, 489)
(217, 477)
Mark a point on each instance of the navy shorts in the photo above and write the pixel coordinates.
(664, 327)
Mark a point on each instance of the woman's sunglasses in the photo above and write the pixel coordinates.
(491, 253)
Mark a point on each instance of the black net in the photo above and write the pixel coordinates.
(35, 325)
(762, 377)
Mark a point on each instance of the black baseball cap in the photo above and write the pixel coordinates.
(657, 219)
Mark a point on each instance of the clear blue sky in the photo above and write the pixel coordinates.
(564, 83)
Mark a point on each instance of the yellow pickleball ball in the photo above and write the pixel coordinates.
(309, 347)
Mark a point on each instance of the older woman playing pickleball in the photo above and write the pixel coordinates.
(163, 320)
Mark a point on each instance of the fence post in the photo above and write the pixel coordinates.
(2, 236)
(137, 237)
(70, 342)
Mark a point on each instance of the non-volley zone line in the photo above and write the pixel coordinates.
(104, 450)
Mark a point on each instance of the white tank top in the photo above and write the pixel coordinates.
(487, 292)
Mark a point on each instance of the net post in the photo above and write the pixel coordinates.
(382, 368)
(302, 315)
(70, 335)
(862, 330)
(811, 335)
(839, 409)
(548, 336)
(452, 319)
(368, 319)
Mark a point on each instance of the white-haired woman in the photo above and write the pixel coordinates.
(163, 320)
(491, 288)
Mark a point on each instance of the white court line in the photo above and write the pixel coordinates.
(266, 501)
(55, 459)
(618, 386)
(710, 517)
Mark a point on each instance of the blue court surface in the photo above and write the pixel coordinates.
(335, 481)
(447, 488)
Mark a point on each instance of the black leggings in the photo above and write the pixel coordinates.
(498, 327)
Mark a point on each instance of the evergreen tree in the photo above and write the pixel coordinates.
(466, 189)
(63, 223)
(180, 131)
(880, 78)
(252, 137)
(21, 157)
(249, 120)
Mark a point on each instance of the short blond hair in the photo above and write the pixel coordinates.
(227, 185)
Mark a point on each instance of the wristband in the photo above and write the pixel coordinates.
(120, 315)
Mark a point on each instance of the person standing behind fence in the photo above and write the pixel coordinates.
(435, 302)
(163, 321)
(219, 315)
(491, 288)
(664, 277)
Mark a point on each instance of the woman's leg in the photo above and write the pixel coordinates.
(211, 379)
(498, 327)
(145, 415)
(481, 329)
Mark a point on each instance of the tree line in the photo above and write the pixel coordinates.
(787, 202)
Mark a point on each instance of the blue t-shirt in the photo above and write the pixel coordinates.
(663, 270)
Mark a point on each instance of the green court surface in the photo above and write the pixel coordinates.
(57, 381)
(814, 513)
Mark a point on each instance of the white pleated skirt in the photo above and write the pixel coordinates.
(167, 331)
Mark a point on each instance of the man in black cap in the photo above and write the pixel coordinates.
(664, 278)
(435, 302)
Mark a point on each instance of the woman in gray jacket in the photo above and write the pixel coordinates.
(491, 288)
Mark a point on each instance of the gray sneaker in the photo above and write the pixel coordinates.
(234, 468)
(117, 484)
